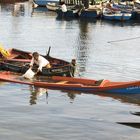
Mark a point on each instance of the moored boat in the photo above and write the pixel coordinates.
(44, 2)
(118, 15)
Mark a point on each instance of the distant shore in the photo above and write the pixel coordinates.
(11, 1)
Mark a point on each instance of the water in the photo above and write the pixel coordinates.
(28, 113)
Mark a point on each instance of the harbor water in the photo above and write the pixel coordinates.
(102, 49)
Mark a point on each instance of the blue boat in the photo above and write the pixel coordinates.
(78, 84)
(88, 14)
(44, 2)
(118, 15)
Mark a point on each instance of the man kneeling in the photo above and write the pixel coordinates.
(40, 61)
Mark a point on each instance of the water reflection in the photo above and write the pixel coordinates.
(72, 96)
(18, 9)
(125, 98)
(82, 46)
(42, 11)
(118, 23)
(36, 93)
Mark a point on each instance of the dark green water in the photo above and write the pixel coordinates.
(27, 113)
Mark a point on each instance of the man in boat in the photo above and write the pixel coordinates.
(40, 61)
(64, 7)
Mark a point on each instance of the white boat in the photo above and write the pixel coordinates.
(52, 6)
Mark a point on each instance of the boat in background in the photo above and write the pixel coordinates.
(116, 15)
(52, 6)
(71, 13)
(87, 13)
(43, 2)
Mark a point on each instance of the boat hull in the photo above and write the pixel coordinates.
(126, 90)
(119, 17)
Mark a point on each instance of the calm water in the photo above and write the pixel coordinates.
(28, 113)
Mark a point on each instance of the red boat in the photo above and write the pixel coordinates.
(78, 84)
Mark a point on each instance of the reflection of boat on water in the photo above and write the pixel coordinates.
(43, 11)
(17, 9)
(124, 98)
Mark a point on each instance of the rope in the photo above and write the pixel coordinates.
(123, 39)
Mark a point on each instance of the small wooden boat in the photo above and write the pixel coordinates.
(18, 62)
(87, 85)
(79, 84)
(44, 2)
(119, 17)
(109, 15)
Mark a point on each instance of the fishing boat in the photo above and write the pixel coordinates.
(91, 86)
(78, 84)
(118, 15)
(19, 61)
(44, 2)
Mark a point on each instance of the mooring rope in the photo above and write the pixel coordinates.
(123, 39)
